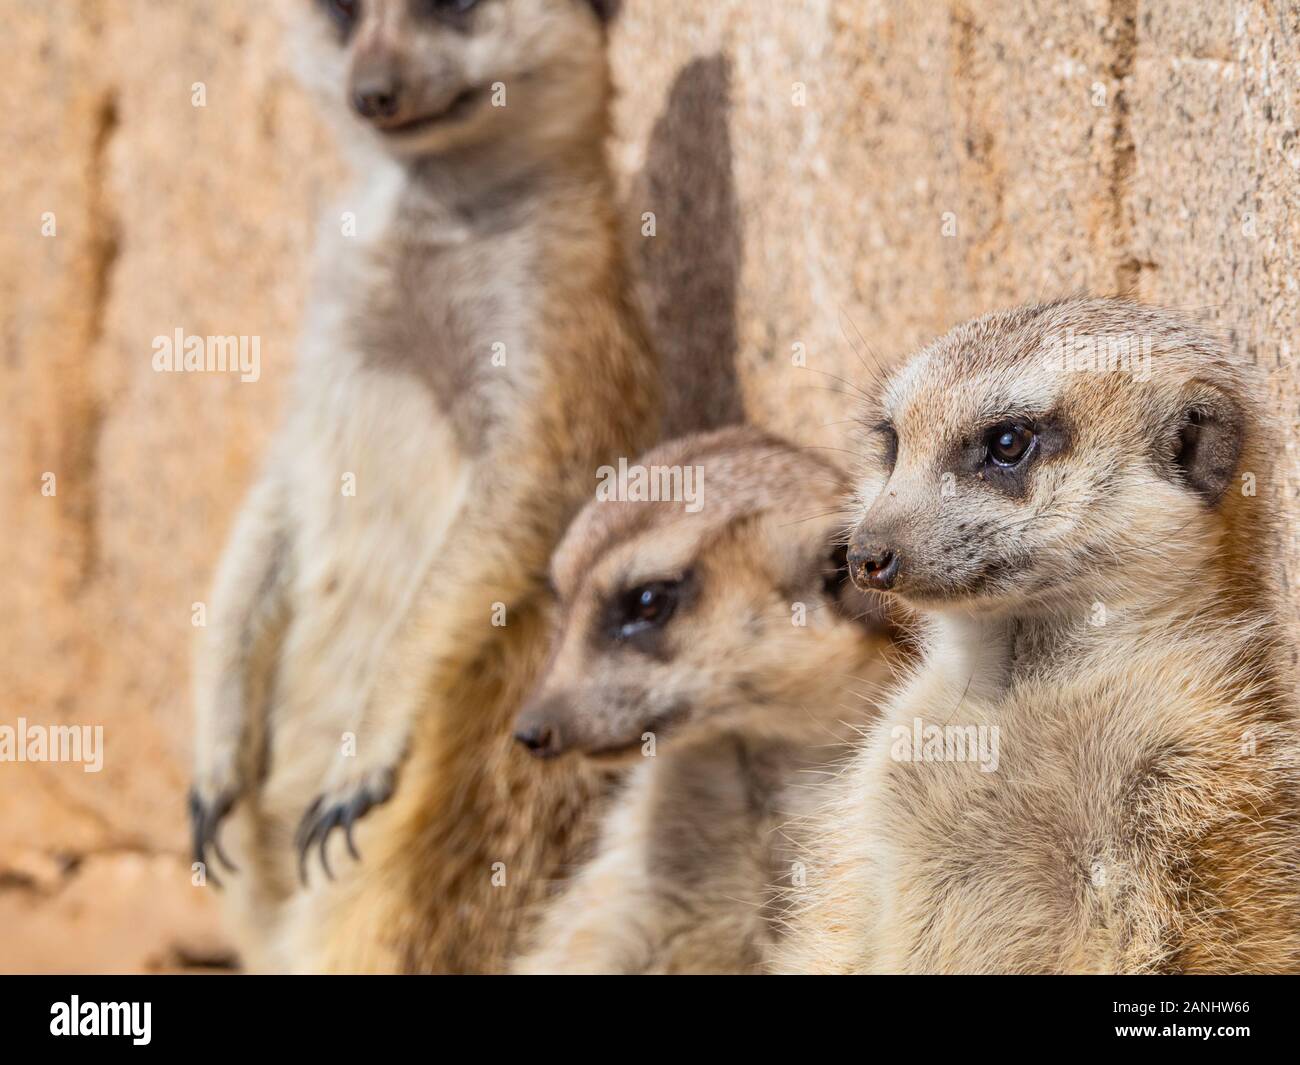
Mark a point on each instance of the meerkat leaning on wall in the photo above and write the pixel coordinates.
(717, 645)
(471, 357)
(1077, 498)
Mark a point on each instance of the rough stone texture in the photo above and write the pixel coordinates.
(167, 215)
(1214, 202)
(805, 165)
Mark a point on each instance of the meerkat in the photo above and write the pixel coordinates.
(1075, 497)
(716, 645)
(471, 355)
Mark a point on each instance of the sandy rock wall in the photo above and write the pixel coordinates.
(831, 183)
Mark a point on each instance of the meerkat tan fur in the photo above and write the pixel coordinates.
(1077, 498)
(715, 644)
(471, 356)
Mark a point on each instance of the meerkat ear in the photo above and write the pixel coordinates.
(1209, 444)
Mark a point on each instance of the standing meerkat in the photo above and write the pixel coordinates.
(471, 356)
(1067, 493)
(721, 636)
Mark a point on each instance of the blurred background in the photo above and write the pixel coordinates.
(832, 181)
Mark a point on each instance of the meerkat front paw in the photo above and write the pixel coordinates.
(341, 805)
(213, 795)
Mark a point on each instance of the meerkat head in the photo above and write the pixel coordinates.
(432, 76)
(1037, 457)
(732, 607)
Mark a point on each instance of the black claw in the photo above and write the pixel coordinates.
(349, 818)
(204, 824)
(306, 833)
(196, 827)
(218, 819)
(328, 824)
(319, 822)
(221, 854)
(305, 826)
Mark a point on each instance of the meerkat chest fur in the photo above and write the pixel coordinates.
(439, 295)
(1068, 798)
(680, 880)
(420, 361)
(706, 810)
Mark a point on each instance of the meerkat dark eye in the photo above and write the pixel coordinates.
(450, 7)
(343, 12)
(647, 606)
(1008, 443)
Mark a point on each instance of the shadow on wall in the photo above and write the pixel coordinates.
(688, 269)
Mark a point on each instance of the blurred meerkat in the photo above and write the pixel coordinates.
(471, 355)
(724, 640)
(1098, 576)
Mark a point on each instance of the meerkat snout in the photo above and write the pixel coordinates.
(611, 719)
(440, 76)
(376, 89)
(538, 735)
(873, 566)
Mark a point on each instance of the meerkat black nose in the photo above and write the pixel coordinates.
(873, 567)
(378, 98)
(540, 739)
